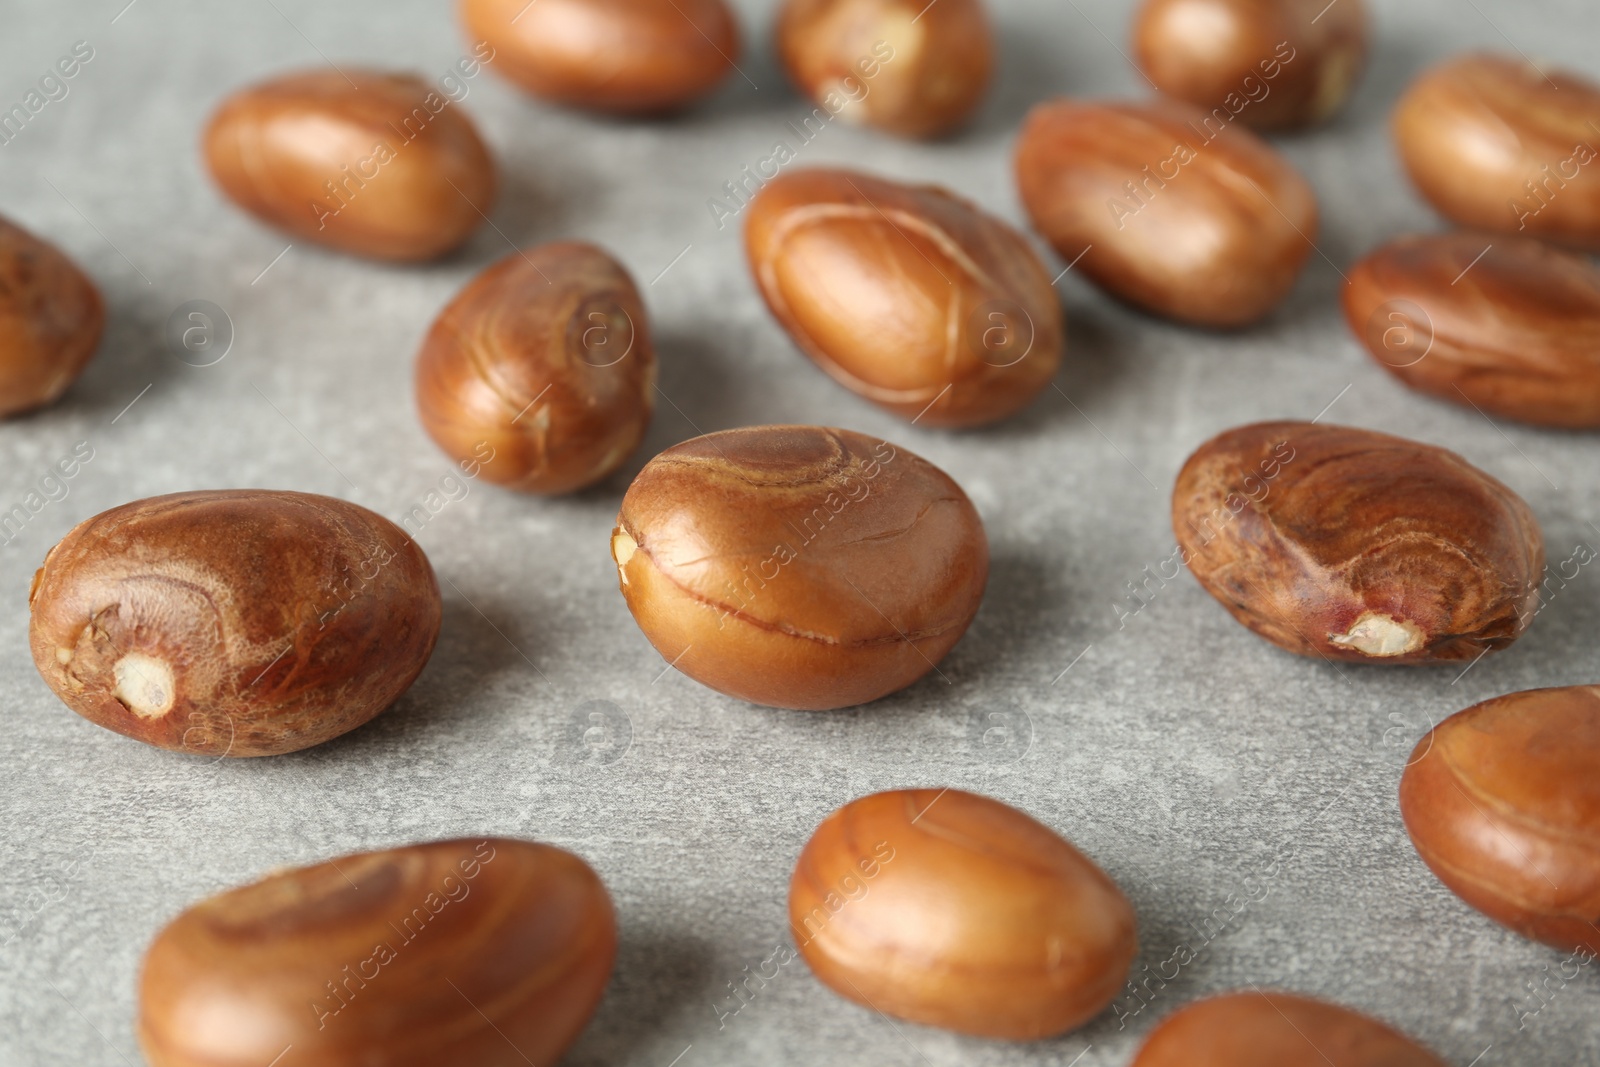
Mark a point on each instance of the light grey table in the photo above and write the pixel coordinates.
(1181, 752)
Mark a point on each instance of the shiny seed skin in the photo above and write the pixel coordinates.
(540, 374)
(1507, 325)
(1502, 802)
(486, 951)
(906, 295)
(1351, 545)
(51, 320)
(238, 622)
(799, 566)
(952, 909)
(380, 165)
(1167, 208)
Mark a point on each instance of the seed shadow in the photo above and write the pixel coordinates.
(698, 391)
(759, 86)
(477, 650)
(1313, 303)
(1028, 71)
(1092, 366)
(651, 988)
(1020, 624)
(481, 638)
(1392, 65)
(131, 356)
(1102, 321)
(1091, 369)
(528, 210)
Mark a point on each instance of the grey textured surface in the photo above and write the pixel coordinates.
(1180, 751)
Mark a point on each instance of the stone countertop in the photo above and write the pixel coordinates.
(1244, 798)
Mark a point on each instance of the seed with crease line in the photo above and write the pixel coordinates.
(799, 566)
